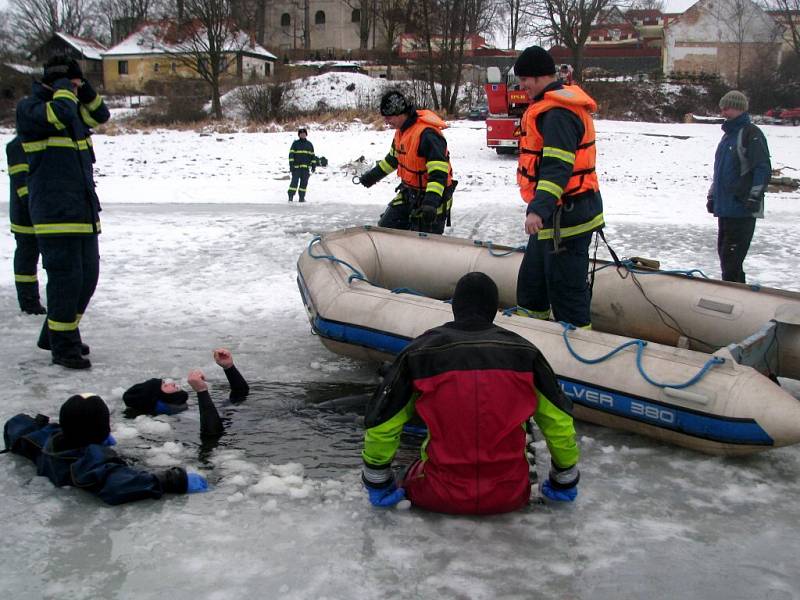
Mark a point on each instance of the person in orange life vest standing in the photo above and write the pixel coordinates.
(557, 179)
(419, 153)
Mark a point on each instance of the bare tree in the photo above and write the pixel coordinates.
(648, 5)
(569, 23)
(392, 15)
(790, 13)
(444, 27)
(366, 11)
(35, 21)
(205, 42)
(519, 17)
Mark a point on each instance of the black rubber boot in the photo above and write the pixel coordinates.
(72, 362)
(32, 307)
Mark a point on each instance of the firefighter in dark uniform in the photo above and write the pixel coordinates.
(55, 124)
(26, 256)
(76, 452)
(302, 162)
(419, 153)
(557, 178)
(475, 385)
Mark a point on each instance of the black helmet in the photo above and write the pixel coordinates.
(394, 103)
(61, 67)
(302, 130)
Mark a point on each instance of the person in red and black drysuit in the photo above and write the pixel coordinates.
(475, 385)
(419, 153)
(556, 177)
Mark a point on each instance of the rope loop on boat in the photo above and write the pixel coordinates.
(640, 345)
(490, 247)
(516, 310)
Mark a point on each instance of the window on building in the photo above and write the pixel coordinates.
(355, 16)
(156, 66)
(173, 67)
(319, 17)
(122, 67)
(286, 20)
(267, 69)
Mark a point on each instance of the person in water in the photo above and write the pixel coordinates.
(77, 451)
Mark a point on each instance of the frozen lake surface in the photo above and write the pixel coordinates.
(199, 249)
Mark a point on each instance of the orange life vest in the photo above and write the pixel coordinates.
(531, 143)
(411, 167)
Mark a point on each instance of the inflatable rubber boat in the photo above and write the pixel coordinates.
(680, 358)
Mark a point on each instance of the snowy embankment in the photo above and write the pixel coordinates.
(199, 248)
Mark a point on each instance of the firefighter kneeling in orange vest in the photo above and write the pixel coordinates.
(419, 153)
(557, 178)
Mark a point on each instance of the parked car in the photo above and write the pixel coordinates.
(790, 115)
(478, 113)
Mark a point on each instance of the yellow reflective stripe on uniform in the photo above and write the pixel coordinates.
(87, 117)
(587, 327)
(22, 229)
(544, 315)
(385, 166)
(435, 187)
(60, 326)
(302, 151)
(78, 317)
(392, 152)
(65, 94)
(37, 146)
(550, 187)
(52, 118)
(18, 168)
(437, 165)
(62, 228)
(57, 142)
(22, 191)
(567, 157)
(301, 166)
(547, 234)
(95, 104)
(25, 278)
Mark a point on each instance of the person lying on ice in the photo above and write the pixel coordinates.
(76, 451)
(475, 385)
(165, 397)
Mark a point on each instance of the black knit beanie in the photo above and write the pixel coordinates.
(394, 104)
(475, 296)
(61, 67)
(534, 61)
(84, 420)
(142, 397)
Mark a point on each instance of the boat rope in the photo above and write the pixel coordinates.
(358, 275)
(516, 310)
(630, 266)
(491, 248)
(640, 345)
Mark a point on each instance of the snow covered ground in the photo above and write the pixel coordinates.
(199, 248)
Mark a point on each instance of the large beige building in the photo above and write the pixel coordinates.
(145, 57)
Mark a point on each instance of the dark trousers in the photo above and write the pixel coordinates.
(299, 183)
(733, 242)
(558, 279)
(26, 257)
(398, 216)
(73, 266)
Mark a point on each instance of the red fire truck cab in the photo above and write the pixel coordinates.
(506, 103)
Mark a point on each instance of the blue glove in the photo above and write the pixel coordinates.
(196, 483)
(164, 408)
(109, 441)
(559, 495)
(385, 497)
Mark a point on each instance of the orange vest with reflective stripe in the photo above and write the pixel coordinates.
(411, 167)
(531, 143)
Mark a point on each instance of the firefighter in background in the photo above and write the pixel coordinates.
(419, 153)
(55, 124)
(302, 162)
(556, 176)
(26, 255)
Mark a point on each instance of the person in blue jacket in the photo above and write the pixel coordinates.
(55, 124)
(77, 452)
(742, 171)
(302, 162)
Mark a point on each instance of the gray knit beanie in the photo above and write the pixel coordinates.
(734, 99)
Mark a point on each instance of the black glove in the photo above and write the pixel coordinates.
(86, 92)
(173, 480)
(753, 202)
(313, 168)
(371, 177)
(425, 213)
(710, 204)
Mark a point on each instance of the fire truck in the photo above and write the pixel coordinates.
(506, 103)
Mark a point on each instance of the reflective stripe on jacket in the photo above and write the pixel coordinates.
(18, 198)
(55, 129)
(532, 148)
